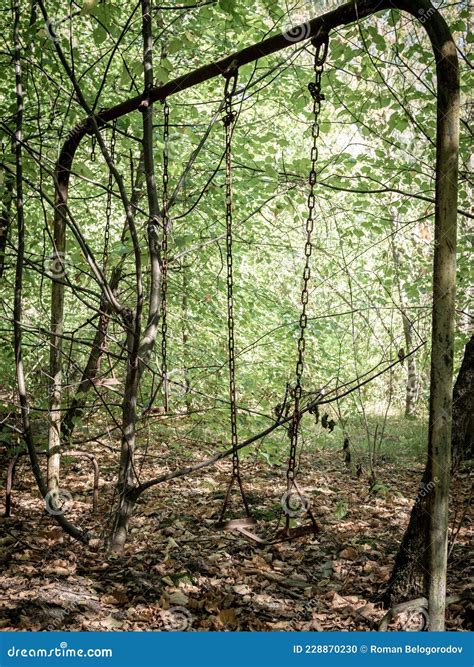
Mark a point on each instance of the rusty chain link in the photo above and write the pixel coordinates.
(164, 256)
(315, 90)
(228, 120)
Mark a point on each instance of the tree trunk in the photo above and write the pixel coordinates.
(463, 408)
(411, 396)
(58, 266)
(411, 391)
(139, 350)
(126, 479)
(408, 579)
(5, 218)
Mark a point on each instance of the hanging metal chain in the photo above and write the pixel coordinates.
(164, 256)
(230, 87)
(108, 206)
(315, 90)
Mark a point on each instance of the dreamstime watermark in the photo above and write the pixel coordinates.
(177, 619)
(424, 15)
(297, 32)
(61, 651)
(294, 504)
(56, 265)
(425, 490)
(305, 612)
(57, 29)
(58, 502)
(178, 382)
(416, 620)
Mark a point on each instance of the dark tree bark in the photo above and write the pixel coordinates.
(409, 575)
(463, 408)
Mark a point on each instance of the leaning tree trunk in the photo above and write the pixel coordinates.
(408, 579)
(409, 575)
(463, 408)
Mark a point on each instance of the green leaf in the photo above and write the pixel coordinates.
(82, 169)
(99, 35)
(125, 77)
(175, 45)
(341, 510)
(227, 6)
(162, 74)
(89, 6)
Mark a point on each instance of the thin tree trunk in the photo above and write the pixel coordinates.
(412, 377)
(185, 338)
(126, 479)
(18, 298)
(91, 369)
(442, 328)
(5, 218)
(411, 390)
(139, 349)
(438, 469)
(58, 262)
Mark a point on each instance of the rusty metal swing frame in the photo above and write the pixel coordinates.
(444, 261)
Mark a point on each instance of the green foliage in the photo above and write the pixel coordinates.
(376, 168)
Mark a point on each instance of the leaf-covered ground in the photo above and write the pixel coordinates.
(178, 573)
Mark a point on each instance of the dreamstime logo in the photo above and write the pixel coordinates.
(57, 502)
(177, 619)
(425, 14)
(417, 620)
(425, 490)
(56, 265)
(176, 379)
(57, 29)
(294, 504)
(305, 612)
(297, 33)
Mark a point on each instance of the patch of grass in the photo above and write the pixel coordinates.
(403, 440)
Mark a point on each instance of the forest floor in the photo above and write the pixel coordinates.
(178, 573)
